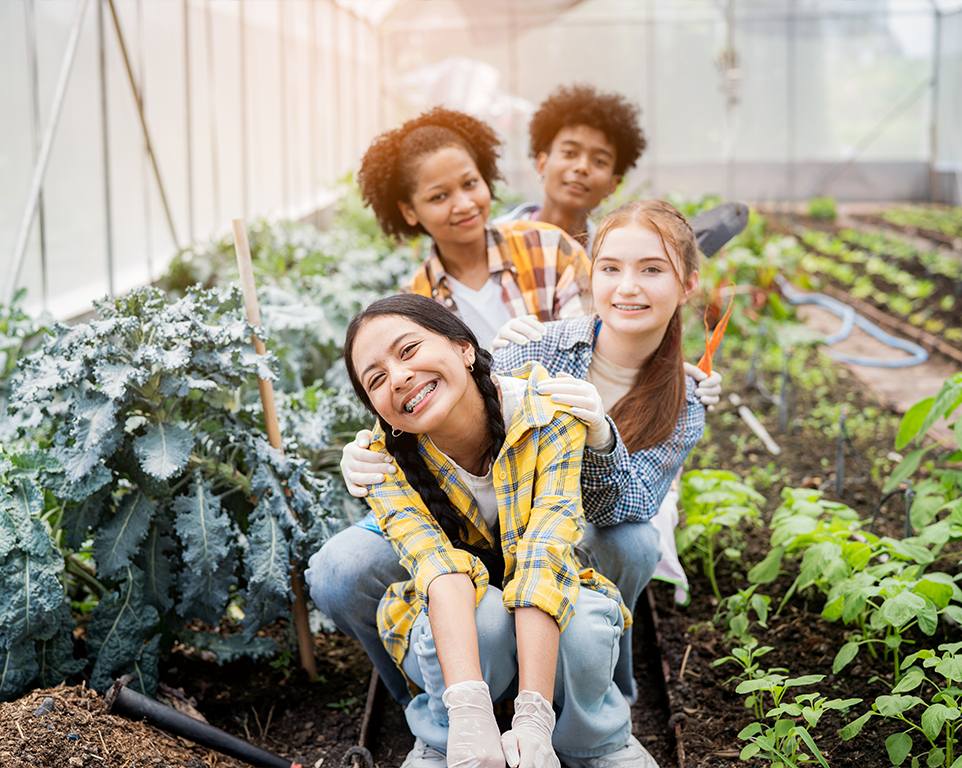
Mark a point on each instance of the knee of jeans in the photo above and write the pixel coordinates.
(591, 636)
(332, 579)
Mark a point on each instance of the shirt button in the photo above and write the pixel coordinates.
(513, 548)
(503, 475)
(434, 291)
(449, 302)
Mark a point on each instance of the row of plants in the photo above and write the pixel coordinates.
(868, 276)
(900, 249)
(947, 221)
(890, 594)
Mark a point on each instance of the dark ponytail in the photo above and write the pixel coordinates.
(404, 448)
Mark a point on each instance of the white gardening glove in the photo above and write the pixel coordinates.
(585, 405)
(528, 743)
(361, 467)
(474, 739)
(709, 386)
(519, 330)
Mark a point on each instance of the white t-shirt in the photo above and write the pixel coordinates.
(483, 311)
(482, 487)
(612, 381)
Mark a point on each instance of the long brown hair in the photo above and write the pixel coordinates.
(647, 415)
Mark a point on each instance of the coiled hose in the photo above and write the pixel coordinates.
(850, 318)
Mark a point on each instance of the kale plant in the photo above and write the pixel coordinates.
(166, 493)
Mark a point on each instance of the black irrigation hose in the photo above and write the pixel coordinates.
(909, 495)
(121, 700)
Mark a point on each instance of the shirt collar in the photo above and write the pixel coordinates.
(499, 257)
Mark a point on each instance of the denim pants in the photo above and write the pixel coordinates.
(349, 575)
(593, 716)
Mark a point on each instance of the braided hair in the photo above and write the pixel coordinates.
(404, 448)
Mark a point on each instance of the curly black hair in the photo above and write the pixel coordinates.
(388, 166)
(582, 104)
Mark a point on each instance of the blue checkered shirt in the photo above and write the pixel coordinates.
(616, 487)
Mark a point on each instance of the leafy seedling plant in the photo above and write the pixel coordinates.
(715, 503)
(157, 485)
(733, 613)
(782, 742)
(925, 671)
(746, 656)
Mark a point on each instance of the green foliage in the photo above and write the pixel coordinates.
(917, 422)
(19, 332)
(948, 221)
(733, 613)
(746, 656)
(822, 208)
(783, 741)
(715, 503)
(938, 723)
(158, 485)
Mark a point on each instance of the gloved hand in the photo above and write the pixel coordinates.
(519, 330)
(585, 404)
(474, 739)
(709, 386)
(528, 743)
(361, 467)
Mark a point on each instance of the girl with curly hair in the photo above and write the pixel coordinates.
(434, 176)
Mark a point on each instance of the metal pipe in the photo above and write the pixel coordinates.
(143, 123)
(105, 136)
(40, 167)
(142, 69)
(243, 107)
(934, 117)
(190, 154)
(312, 97)
(30, 18)
(212, 115)
(282, 69)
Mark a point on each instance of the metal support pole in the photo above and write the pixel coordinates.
(312, 100)
(190, 153)
(790, 96)
(338, 133)
(356, 69)
(212, 115)
(243, 108)
(282, 68)
(143, 124)
(652, 97)
(105, 136)
(40, 167)
(30, 18)
(142, 67)
(934, 119)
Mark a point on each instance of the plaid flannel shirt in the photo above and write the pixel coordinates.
(617, 487)
(536, 481)
(541, 269)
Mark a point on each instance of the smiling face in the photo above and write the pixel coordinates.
(635, 283)
(414, 378)
(449, 198)
(578, 171)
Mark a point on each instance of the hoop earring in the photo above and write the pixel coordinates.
(396, 433)
(471, 367)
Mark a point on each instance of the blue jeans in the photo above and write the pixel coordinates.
(594, 718)
(349, 575)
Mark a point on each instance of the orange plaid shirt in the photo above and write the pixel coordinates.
(541, 269)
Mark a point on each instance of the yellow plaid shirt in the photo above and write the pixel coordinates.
(541, 269)
(537, 483)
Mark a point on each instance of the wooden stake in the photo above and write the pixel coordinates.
(305, 641)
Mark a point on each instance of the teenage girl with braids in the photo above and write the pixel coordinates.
(484, 514)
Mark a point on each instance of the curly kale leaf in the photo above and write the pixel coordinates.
(118, 628)
(209, 553)
(55, 660)
(94, 433)
(164, 449)
(267, 566)
(21, 502)
(18, 668)
(83, 517)
(232, 647)
(144, 667)
(117, 542)
(154, 561)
